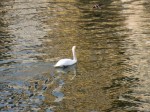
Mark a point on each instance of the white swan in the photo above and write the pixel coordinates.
(67, 62)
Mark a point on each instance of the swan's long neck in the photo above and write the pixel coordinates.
(74, 54)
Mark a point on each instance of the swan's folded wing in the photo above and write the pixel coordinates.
(64, 62)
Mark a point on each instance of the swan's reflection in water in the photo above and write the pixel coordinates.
(59, 78)
(66, 70)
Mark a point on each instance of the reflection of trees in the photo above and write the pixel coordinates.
(5, 37)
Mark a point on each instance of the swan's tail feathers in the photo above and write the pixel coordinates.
(55, 65)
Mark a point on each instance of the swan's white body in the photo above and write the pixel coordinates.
(67, 62)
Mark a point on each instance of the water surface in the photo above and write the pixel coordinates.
(113, 48)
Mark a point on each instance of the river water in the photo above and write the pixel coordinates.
(113, 51)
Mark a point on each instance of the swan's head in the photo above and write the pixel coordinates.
(74, 47)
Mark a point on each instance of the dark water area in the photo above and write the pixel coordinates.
(113, 52)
